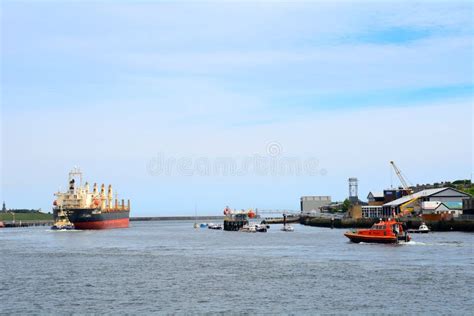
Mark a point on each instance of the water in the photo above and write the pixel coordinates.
(169, 267)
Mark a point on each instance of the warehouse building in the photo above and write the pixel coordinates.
(414, 202)
(313, 203)
(431, 201)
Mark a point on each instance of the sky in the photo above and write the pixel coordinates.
(247, 104)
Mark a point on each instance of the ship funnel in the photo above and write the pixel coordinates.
(71, 185)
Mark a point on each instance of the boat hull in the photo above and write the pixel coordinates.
(95, 219)
(356, 238)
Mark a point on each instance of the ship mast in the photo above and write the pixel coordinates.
(75, 172)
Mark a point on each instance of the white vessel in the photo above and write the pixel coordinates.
(423, 229)
(214, 226)
(287, 228)
(248, 229)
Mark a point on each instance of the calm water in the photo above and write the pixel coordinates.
(168, 267)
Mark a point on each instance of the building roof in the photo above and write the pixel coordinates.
(423, 193)
(316, 198)
(375, 195)
(444, 206)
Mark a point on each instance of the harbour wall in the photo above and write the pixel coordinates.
(176, 218)
(27, 223)
(464, 225)
(279, 220)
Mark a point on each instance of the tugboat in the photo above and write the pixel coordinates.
(62, 222)
(388, 231)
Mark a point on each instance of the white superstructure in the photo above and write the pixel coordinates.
(79, 196)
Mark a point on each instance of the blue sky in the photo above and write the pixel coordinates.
(109, 86)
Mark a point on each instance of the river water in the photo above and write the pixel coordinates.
(169, 267)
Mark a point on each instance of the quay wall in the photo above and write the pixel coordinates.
(176, 218)
(464, 225)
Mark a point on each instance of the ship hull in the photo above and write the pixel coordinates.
(95, 219)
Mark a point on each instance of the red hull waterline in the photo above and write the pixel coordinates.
(107, 224)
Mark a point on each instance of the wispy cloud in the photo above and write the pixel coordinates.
(334, 80)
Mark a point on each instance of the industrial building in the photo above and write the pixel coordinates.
(414, 202)
(313, 203)
(426, 202)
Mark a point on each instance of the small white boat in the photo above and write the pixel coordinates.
(254, 228)
(287, 228)
(214, 226)
(423, 229)
(248, 229)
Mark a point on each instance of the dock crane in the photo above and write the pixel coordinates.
(404, 209)
(400, 176)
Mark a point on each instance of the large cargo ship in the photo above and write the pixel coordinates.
(90, 209)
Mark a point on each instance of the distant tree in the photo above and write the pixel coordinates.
(346, 205)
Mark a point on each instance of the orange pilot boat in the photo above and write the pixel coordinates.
(389, 231)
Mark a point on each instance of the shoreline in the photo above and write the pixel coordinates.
(174, 218)
(462, 225)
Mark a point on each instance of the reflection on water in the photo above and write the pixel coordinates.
(170, 267)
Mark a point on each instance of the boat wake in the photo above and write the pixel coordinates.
(416, 243)
(446, 243)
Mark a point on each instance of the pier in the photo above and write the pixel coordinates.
(456, 224)
(13, 224)
(176, 218)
